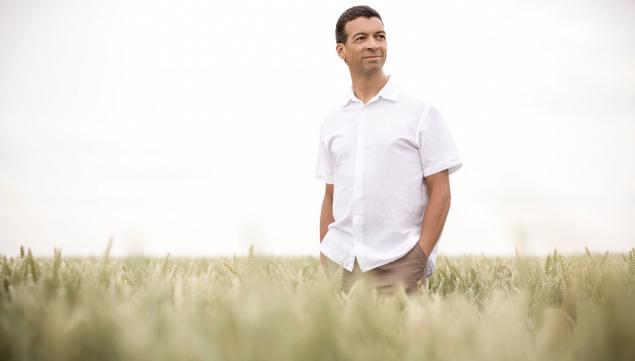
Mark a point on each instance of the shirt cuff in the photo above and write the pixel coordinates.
(324, 177)
(451, 165)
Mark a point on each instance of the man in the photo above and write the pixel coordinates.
(386, 159)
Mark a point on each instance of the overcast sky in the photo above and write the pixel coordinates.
(191, 127)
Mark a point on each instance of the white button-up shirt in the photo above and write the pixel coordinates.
(376, 155)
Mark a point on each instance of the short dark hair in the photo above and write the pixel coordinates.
(349, 15)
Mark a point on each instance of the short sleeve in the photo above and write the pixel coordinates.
(437, 149)
(324, 168)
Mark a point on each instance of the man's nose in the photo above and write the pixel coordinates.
(372, 44)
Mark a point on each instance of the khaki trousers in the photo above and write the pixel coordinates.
(407, 271)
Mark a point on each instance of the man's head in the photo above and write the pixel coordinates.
(361, 39)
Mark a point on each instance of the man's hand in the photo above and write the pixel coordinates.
(422, 249)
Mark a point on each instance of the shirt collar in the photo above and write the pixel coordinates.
(389, 92)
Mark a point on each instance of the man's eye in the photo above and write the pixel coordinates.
(360, 38)
(381, 36)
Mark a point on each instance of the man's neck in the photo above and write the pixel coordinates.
(367, 86)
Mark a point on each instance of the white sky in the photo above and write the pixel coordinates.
(191, 127)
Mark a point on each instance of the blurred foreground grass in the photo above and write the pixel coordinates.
(281, 308)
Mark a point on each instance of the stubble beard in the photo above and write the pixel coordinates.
(372, 69)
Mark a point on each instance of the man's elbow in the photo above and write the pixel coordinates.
(442, 195)
(447, 197)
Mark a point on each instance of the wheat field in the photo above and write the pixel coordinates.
(261, 307)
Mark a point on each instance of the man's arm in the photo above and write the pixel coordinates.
(438, 186)
(326, 217)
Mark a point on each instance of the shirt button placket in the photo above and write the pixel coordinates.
(357, 182)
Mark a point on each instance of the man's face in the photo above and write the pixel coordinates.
(365, 47)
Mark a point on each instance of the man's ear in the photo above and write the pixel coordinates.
(341, 52)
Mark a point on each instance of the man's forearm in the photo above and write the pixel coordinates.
(434, 218)
(326, 217)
